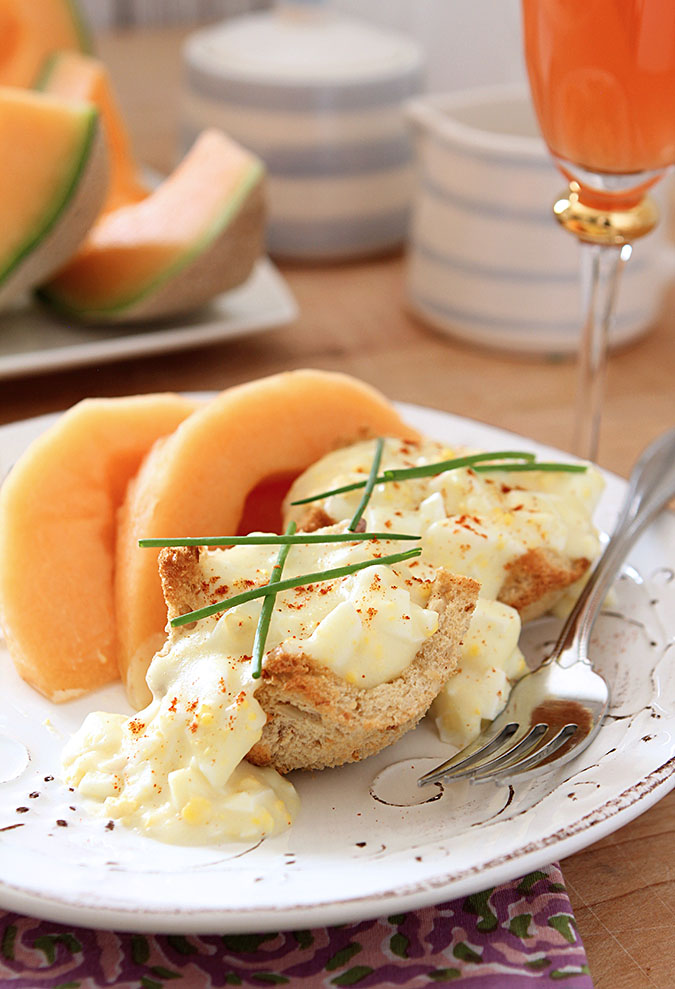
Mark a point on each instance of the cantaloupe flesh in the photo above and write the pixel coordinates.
(44, 146)
(196, 482)
(58, 509)
(30, 30)
(132, 251)
(73, 75)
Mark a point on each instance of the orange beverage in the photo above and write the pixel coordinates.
(602, 76)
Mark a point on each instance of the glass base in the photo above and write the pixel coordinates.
(612, 227)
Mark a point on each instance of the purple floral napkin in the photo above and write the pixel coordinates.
(512, 937)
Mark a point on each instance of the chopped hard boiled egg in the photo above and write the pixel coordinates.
(491, 662)
(177, 769)
(174, 769)
(473, 523)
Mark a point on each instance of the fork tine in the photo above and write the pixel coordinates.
(521, 747)
(470, 753)
(528, 761)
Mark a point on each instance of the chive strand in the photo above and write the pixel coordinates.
(430, 470)
(265, 617)
(370, 484)
(424, 470)
(345, 489)
(284, 585)
(276, 540)
(536, 465)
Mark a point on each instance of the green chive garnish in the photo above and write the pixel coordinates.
(426, 470)
(263, 625)
(536, 465)
(274, 540)
(370, 484)
(356, 486)
(284, 585)
(429, 470)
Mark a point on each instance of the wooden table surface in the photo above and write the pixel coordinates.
(353, 319)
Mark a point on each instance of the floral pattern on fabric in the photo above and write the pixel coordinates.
(513, 936)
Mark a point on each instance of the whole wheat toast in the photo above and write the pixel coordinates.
(315, 719)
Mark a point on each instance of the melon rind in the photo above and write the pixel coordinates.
(81, 27)
(222, 258)
(67, 223)
(221, 261)
(70, 34)
(80, 76)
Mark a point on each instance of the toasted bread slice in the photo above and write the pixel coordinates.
(536, 581)
(315, 719)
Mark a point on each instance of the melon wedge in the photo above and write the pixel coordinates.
(196, 482)
(30, 30)
(58, 509)
(197, 235)
(54, 180)
(73, 75)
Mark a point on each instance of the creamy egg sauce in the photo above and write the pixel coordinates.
(176, 770)
(474, 524)
(490, 663)
(471, 523)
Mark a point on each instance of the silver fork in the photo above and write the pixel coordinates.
(553, 713)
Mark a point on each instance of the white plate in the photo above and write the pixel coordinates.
(360, 848)
(32, 340)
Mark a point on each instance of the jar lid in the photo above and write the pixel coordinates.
(301, 43)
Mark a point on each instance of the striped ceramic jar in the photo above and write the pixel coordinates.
(319, 97)
(487, 261)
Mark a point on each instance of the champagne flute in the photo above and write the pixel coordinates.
(602, 77)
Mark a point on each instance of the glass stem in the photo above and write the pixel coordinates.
(601, 268)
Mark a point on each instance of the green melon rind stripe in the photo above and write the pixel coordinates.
(85, 45)
(90, 115)
(41, 84)
(84, 35)
(85, 41)
(253, 174)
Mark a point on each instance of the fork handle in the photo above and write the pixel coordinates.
(650, 487)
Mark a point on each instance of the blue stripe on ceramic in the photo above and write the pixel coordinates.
(455, 314)
(500, 211)
(492, 273)
(326, 160)
(309, 97)
(353, 234)
(319, 161)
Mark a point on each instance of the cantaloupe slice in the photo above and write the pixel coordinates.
(57, 531)
(54, 174)
(197, 235)
(196, 482)
(73, 75)
(30, 30)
